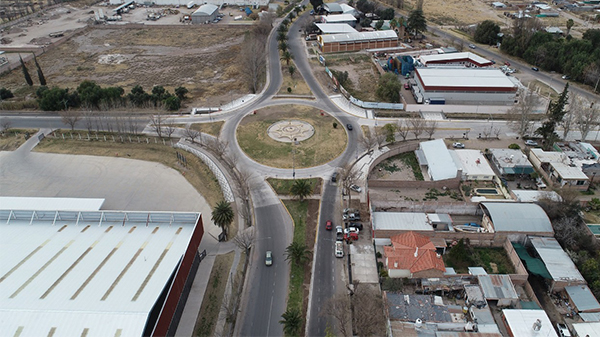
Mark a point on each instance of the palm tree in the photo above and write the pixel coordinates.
(301, 187)
(222, 215)
(283, 46)
(287, 57)
(282, 36)
(292, 70)
(297, 253)
(292, 321)
(283, 28)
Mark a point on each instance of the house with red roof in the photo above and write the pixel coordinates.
(413, 255)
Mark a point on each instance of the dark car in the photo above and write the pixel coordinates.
(349, 126)
(535, 69)
(328, 225)
(357, 225)
(334, 177)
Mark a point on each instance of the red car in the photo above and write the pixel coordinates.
(507, 63)
(328, 225)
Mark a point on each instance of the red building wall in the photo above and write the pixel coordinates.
(179, 283)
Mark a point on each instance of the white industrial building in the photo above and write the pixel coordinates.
(335, 28)
(95, 273)
(339, 18)
(444, 85)
(473, 164)
(205, 14)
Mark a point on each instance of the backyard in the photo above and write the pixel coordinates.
(493, 260)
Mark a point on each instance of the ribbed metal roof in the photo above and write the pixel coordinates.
(66, 273)
(357, 37)
(518, 217)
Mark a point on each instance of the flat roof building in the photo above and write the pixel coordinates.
(51, 204)
(558, 263)
(510, 162)
(339, 18)
(461, 85)
(559, 168)
(473, 165)
(436, 160)
(591, 329)
(528, 323)
(96, 273)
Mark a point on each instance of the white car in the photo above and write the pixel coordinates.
(472, 46)
(356, 188)
(458, 145)
(530, 142)
(563, 330)
(269, 258)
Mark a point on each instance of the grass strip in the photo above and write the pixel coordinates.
(283, 186)
(213, 296)
(298, 210)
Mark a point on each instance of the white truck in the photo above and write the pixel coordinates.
(191, 4)
(339, 249)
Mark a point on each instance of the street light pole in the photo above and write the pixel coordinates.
(294, 159)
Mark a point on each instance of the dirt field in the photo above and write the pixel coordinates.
(458, 12)
(201, 58)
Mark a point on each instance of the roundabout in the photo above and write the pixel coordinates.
(291, 136)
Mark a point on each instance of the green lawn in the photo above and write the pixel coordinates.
(283, 186)
(298, 210)
(326, 144)
(493, 260)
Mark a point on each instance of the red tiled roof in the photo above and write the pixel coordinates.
(413, 252)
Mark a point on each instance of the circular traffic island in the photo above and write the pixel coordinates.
(287, 136)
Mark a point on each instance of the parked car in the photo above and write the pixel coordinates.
(349, 126)
(328, 225)
(530, 142)
(269, 258)
(357, 225)
(339, 232)
(339, 249)
(356, 188)
(506, 63)
(458, 145)
(406, 86)
(563, 330)
(334, 177)
(351, 217)
(539, 182)
(535, 69)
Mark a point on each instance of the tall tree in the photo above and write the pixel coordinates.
(554, 116)
(388, 88)
(41, 76)
(416, 22)
(287, 57)
(487, 32)
(292, 321)
(253, 54)
(338, 307)
(222, 215)
(180, 92)
(570, 24)
(586, 115)
(25, 72)
(520, 116)
(301, 188)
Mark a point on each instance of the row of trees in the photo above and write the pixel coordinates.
(91, 96)
(578, 58)
(253, 53)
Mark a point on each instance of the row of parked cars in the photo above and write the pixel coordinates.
(351, 217)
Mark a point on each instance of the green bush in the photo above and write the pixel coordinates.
(514, 146)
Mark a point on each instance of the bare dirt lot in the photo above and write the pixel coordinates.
(201, 58)
(458, 12)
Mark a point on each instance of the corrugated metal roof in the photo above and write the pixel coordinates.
(439, 161)
(401, 221)
(338, 18)
(51, 204)
(332, 7)
(86, 273)
(206, 9)
(361, 36)
(587, 329)
(559, 264)
(454, 56)
(464, 77)
(520, 323)
(583, 298)
(335, 28)
(590, 316)
(496, 287)
(518, 217)
(477, 271)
